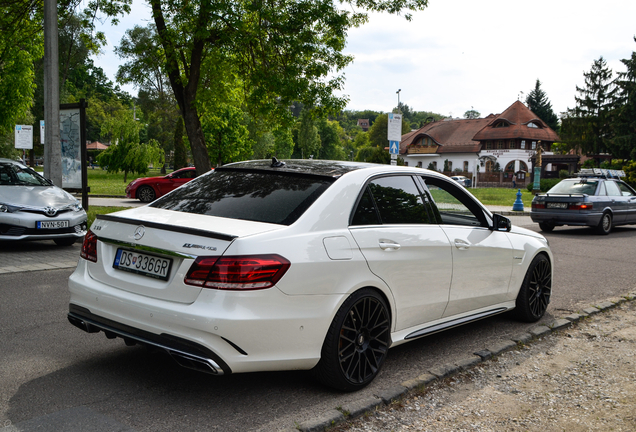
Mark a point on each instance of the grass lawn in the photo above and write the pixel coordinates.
(103, 183)
(93, 211)
(502, 196)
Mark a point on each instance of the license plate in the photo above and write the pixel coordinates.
(52, 224)
(143, 264)
(556, 205)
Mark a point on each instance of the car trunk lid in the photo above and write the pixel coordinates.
(149, 251)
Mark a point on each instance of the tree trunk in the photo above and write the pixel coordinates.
(185, 94)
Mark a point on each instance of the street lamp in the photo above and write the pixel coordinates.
(398, 93)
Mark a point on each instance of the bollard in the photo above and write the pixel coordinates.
(518, 205)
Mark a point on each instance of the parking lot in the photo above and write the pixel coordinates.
(55, 377)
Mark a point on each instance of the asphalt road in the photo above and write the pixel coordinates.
(54, 377)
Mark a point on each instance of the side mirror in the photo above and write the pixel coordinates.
(501, 223)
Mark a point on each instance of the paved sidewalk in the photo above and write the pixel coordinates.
(37, 255)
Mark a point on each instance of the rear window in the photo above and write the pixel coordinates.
(272, 197)
(579, 186)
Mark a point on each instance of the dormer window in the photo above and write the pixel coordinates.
(501, 124)
(427, 141)
(533, 125)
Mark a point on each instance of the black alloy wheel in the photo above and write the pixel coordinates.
(357, 343)
(146, 194)
(535, 292)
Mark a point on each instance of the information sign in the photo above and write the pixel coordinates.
(394, 129)
(24, 137)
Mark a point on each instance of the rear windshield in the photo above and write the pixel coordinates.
(272, 197)
(578, 187)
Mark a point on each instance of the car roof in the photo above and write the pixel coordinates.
(7, 161)
(327, 168)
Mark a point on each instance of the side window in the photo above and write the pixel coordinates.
(612, 188)
(625, 190)
(397, 200)
(453, 205)
(601, 190)
(365, 213)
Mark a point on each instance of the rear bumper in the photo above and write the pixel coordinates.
(186, 353)
(226, 331)
(566, 218)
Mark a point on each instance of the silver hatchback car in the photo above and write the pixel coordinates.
(32, 208)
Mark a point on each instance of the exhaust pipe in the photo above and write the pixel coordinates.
(198, 364)
(83, 325)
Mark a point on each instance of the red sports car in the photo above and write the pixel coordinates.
(148, 189)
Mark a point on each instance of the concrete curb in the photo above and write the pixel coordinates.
(387, 396)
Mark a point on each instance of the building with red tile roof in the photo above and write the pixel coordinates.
(509, 140)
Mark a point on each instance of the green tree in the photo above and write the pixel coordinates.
(284, 50)
(308, 137)
(538, 102)
(330, 134)
(127, 154)
(227, 136)
(21, 44)
(587, 126)
(472, 114)
(623, 143)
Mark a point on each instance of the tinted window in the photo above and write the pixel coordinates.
(257, 196)
(579, 186)
(453, 205)
(366, 213)
(398, 200)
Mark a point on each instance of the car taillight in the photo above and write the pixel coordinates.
(237, 272)
(89, 247)
(538, 205)
(581, 206)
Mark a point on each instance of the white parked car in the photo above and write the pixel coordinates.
(32, 208)
(269, 265)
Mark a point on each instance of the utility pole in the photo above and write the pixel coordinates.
(52, 145)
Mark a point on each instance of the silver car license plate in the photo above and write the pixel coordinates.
(143, 264)
(52, 224)
(557, 205)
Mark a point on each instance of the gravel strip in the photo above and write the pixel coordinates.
(581, 377)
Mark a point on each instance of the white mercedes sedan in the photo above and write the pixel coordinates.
(298, 264)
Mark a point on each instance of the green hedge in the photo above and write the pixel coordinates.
(545, 184)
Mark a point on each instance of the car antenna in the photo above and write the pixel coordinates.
(276, 163)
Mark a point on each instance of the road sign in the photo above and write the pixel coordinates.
(394, 129)
(394, 147)
(24, 137)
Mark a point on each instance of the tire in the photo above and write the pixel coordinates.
(546, 226)
(535, 292)
(68, 241)
(604, 226)
(146, 194)
(357, 342)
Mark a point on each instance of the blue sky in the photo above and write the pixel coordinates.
(459, 55)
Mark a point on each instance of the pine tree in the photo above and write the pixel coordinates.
(537, 101)
(587, 126)
(623, 144)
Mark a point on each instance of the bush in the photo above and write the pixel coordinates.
(563, 174)
(544, 185)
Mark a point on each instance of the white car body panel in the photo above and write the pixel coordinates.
(428, 282)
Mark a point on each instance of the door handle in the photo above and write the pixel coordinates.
(388, 245)
(461, 244)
